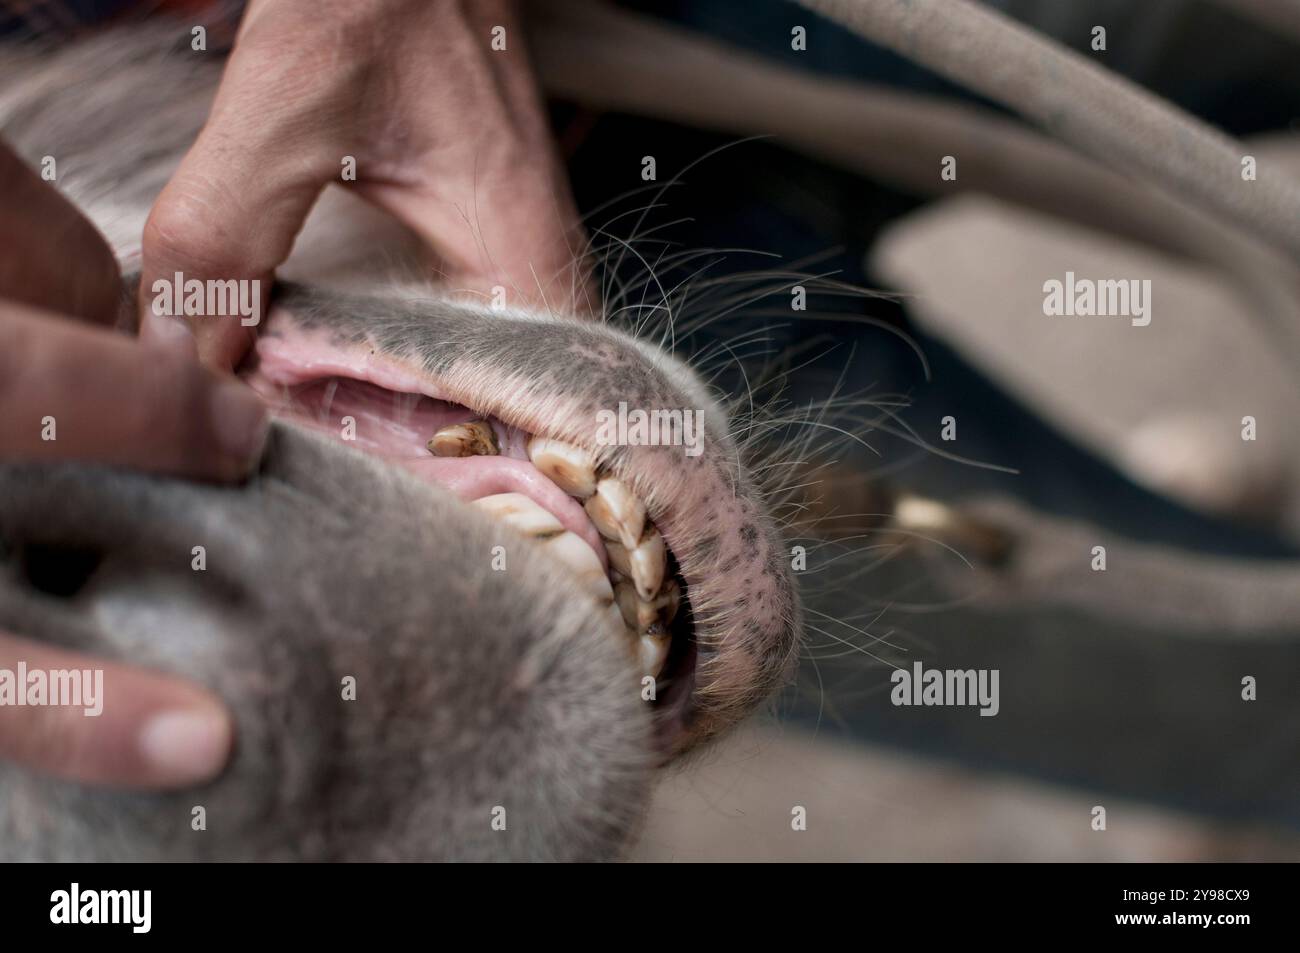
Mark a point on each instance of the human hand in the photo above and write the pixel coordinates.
(447, 133)
(105, 398)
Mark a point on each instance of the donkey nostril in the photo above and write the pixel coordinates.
(58, 570)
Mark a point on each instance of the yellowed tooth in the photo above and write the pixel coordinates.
(532, 520)
(652, 650)
(475, 438)
(641, 614)
(645, 565)
(620, 558)
(568, 467)
(523, 514)
(617, 512)
(637, 613)
(572, 550)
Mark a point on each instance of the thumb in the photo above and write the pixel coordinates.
(115, 402)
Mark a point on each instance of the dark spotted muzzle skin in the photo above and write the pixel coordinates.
(479, 697)
(553, 376)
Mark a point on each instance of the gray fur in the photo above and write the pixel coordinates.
(475, 689)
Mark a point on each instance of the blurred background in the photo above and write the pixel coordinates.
(1120, 688)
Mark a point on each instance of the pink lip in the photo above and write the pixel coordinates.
(311, 355)
(316, 385)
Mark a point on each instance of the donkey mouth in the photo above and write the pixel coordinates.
(547, 492)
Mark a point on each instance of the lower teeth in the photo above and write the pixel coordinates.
(652, 652)
(642, 597)
(644, 621)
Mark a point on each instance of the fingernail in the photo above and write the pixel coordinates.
(240, 422)
(186, 746)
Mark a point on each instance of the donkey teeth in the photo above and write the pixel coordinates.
(637, 613)
(572, 550)
(474, 438)
(534, 521)
(638, 556)
(645, 564)
(635, 547)
(522, 513)
(570, 468)
(617, 512)
(640, 614)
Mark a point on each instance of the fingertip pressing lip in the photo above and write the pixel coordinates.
(186, 746)
(241, 423)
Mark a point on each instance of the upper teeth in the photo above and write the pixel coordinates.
(646, 562)
(640, 613)
(568, 467)
(475, 438)
(636, 550)
(616, 512)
